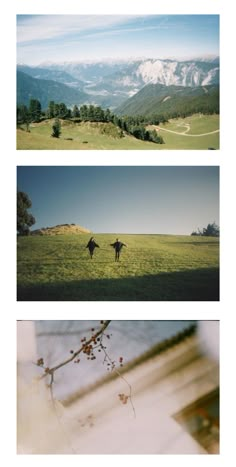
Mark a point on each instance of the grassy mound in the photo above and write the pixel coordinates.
(63, 229)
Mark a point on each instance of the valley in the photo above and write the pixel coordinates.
(134, 104)
(111, 83)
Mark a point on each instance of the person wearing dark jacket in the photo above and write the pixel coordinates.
(91, 246)
(117, 245)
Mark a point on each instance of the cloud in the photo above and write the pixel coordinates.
(64, 37)
(38, 27)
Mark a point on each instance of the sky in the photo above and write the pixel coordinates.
(161, 200)
(58, 38)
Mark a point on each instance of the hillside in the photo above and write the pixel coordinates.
(95, 135)
(46, 91)
(62, 229)
(169, 101)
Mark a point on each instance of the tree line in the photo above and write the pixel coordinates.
(135, 126)
(212, 230)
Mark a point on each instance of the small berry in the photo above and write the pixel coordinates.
(40, 362)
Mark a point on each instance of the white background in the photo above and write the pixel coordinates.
(10, 158)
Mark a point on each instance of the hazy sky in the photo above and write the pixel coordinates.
(174, 200)
(42, 38)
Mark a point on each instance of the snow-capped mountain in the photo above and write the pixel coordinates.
(167, 72)
(178, 73)
(110, 83)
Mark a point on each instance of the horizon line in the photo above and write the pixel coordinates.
(198, 57)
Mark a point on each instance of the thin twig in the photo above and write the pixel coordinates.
(121, 376)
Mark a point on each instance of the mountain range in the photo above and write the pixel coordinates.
(109, 84)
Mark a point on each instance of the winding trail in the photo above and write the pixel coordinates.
(186, 132)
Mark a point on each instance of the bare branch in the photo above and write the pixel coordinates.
(51, 371)
(87, 346)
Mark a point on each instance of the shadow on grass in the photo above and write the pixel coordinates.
(191, 285)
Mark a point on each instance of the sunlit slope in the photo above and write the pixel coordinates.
(195, 132)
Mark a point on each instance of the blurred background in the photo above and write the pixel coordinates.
(129, 339)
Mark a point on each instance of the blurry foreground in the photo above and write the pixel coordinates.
(175, 394)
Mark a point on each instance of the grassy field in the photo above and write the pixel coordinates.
(153, 267)
(89, 136)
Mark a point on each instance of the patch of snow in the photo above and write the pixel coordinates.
(210, 76)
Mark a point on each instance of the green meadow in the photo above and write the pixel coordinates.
(152, 267)
(195, 132)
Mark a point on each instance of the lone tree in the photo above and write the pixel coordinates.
(24, 219)
(56, 128)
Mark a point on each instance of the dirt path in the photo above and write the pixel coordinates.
(186, 132)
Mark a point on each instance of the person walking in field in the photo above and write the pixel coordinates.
(117, 245)
(91, 246)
